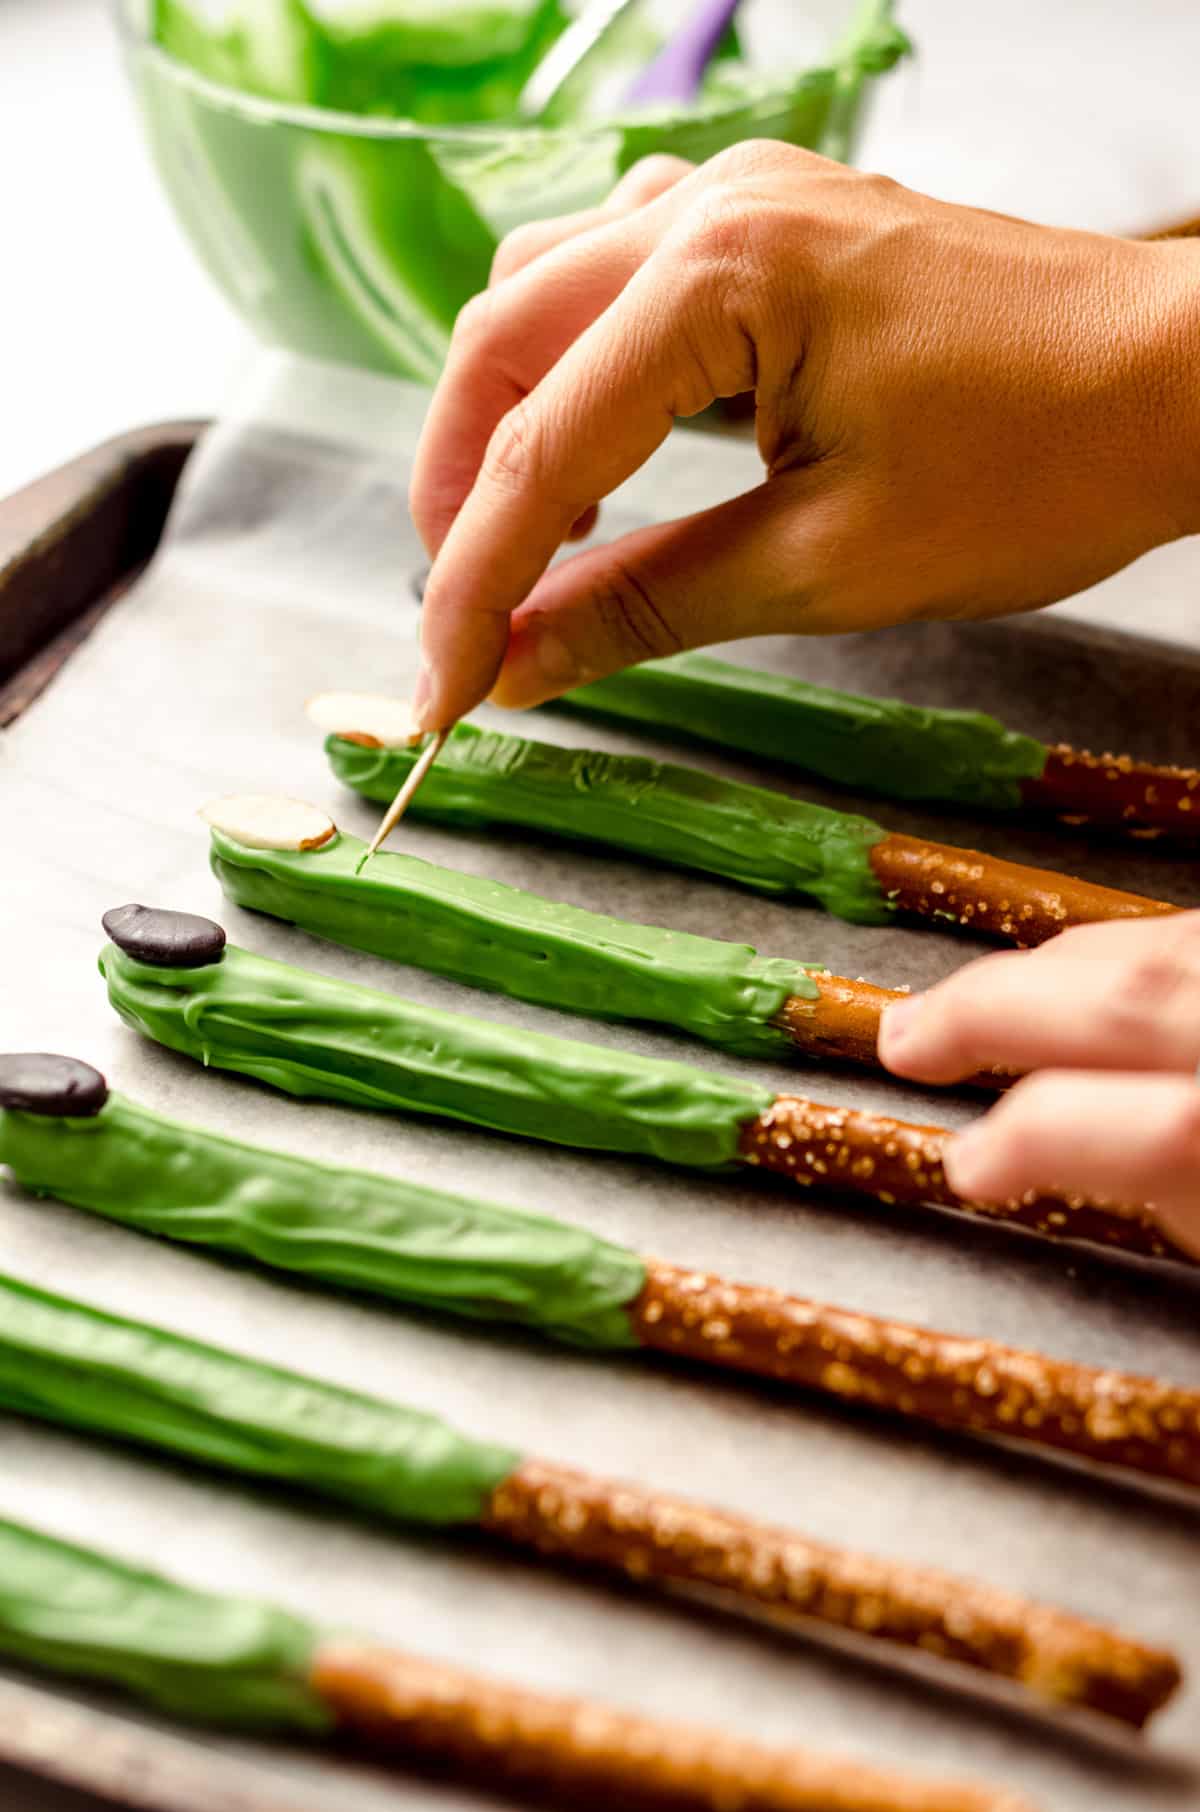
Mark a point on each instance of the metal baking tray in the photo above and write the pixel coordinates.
(71, 551)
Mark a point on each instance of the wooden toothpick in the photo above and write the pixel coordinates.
(405, 796)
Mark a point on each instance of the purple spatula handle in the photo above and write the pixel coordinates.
(678, 70)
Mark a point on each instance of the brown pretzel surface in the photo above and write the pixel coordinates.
(585, 1754)
(1145, 798)
(851, 1150)
(1183, 229)
(951, 1380)
(1007, 900)
(843, 1023)
(1001, 899)
(652, 1536)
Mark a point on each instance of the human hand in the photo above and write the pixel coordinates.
(1109, 1018)
(959, 414)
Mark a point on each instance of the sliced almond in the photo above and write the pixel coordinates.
(268, 821)
(366, 717)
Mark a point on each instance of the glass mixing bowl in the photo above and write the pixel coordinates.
(357, 238)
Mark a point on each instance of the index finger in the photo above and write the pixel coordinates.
(506, 339)
(1127, 999)
(598, 415)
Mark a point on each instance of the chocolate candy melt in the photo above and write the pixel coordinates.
(898, 750)
(166, 940)
(39, 1082)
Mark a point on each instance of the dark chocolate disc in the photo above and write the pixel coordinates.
(169, 940)
(418, 583)
(36, 1082)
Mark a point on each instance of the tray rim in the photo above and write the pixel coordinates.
(108, 508)
(140, 471)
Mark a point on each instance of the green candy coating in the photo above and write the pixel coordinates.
(491, 936)
(650, 808)
(194, 1655)
(66, 1362)
(441, 60)
(345, 1227)
(314, 1037)
(881, 744)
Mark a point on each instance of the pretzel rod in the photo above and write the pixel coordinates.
(171, 976)
(245, 1666)
(63, 1134)
(582, 1754)
(863, 1153)
(898, 750)
(842, 1023)
(652, 1536)
(1184, 229)
(66, 1362)
(288, 859)
(1114, 792)
(761, 839)
(882, 745)
(953, 1381)
(1005, 900)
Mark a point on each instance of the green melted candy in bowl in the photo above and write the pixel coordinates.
(346, 168)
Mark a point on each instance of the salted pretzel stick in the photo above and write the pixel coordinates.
(653, 1536)
(400, 1465)
(749, 834)
(586, 1755)
(1006, 900)
(1145, 798)
(898, 750)
(244, 1665)
(842, 1023)
(404, 1242)
(853, 1150)
(954, 1381)
(1183, 229)
(286, 858)
(317, 1037)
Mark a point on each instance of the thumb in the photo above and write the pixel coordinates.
(752, 566)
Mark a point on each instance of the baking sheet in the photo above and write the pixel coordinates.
(285, 573)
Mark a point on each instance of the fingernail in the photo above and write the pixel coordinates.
(538, 666)
(423, 697)
(965, 1159)
(555, 659)
(898, 1025)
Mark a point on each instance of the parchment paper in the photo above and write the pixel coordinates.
(285, 573)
